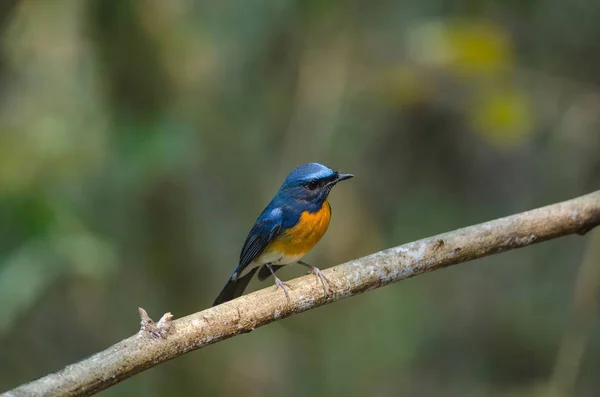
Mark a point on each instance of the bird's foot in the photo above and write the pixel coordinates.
(284, 286)
(320, 277)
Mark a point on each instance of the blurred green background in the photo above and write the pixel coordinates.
(139, 140)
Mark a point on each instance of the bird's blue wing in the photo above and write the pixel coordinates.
(266, 228)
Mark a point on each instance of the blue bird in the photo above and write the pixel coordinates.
(287, 229)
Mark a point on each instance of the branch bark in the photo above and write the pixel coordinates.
(147, 349)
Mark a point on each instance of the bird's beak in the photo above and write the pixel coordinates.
(343, 177)
(340, 177)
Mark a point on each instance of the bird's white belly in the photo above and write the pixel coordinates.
(273, 258)
(276, 258)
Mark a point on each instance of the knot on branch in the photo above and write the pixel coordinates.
(157, 330)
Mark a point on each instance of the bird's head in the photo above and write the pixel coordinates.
(311, 182)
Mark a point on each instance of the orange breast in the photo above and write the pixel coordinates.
(305, 235)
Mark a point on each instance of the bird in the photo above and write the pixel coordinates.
(287, 229)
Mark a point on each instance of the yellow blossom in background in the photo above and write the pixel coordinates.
(504, 118)
(479, 47)
(465, 47)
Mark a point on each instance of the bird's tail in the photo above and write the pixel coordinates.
(234, 287)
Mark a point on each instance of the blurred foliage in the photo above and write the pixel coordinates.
(139, 141)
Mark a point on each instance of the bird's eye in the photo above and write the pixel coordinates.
(311, 185)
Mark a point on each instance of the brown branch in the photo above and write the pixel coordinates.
(172, 339)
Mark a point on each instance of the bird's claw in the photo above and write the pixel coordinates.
(283, 286)
(321, 277)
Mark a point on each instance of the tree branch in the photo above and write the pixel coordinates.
(156, 343)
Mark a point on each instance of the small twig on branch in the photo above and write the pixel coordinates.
(139, 352)
(156, 330)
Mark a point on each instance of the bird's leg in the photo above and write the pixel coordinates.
(279, 283)
(319, 276)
